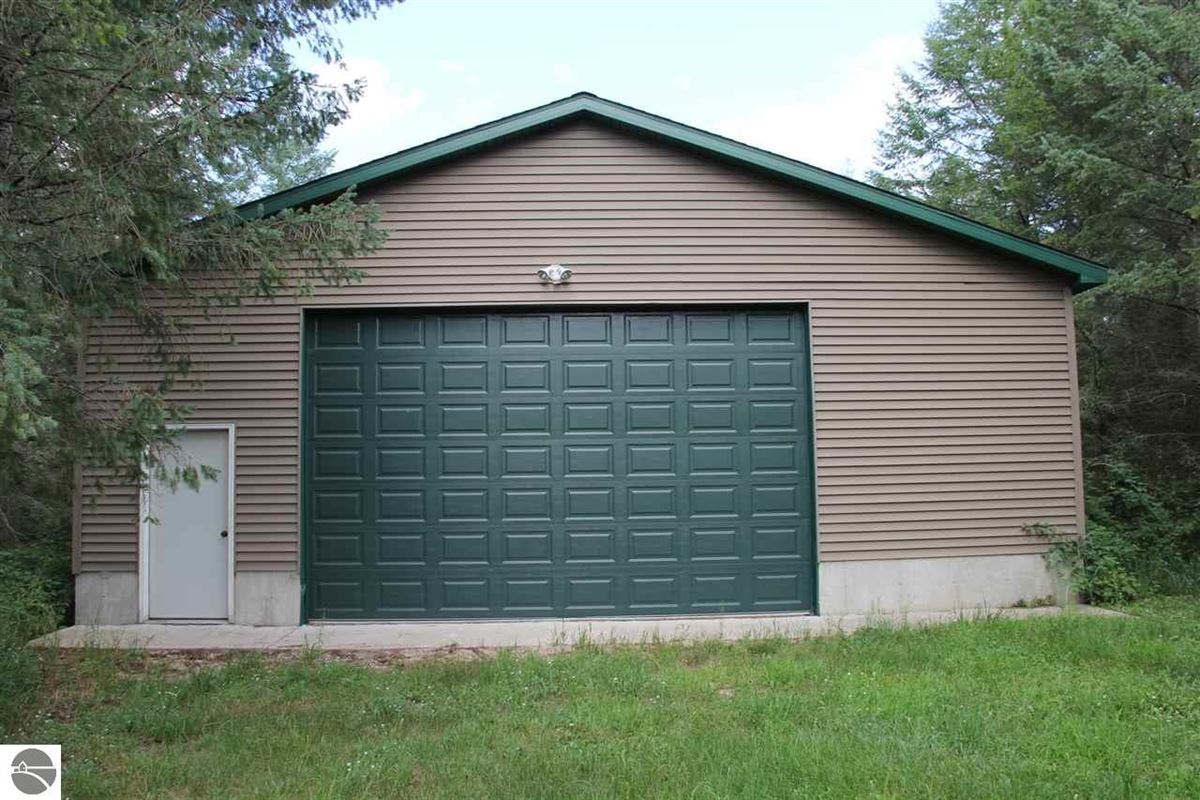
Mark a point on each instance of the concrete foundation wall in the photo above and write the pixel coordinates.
(106, 598)
(936, 584)
(260, 598)
(847, 587)
(266, 598)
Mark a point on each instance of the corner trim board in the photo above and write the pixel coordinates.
(1076, 414)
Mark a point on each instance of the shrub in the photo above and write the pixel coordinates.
(1098, 565)
(1159, 519)
(32, 601)
(1142, 538)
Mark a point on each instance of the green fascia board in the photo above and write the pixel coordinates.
(1082, 273)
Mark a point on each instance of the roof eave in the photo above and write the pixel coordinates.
(456, 144)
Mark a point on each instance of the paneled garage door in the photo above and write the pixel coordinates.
(556, 464)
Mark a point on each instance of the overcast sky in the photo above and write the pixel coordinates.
(807, 79)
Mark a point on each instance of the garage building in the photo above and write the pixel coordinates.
(763, 388)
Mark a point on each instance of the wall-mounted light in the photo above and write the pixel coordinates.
(554, 274)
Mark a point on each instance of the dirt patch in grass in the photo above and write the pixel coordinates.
(168, 663)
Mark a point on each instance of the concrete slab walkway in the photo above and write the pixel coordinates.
(418, 636)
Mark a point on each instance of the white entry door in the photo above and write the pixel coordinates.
(188, 536)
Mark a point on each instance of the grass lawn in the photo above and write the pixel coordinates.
(1055, 707)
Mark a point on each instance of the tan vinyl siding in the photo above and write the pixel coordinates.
(252, 380)
(943, 375)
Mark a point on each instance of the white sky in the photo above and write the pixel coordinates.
(810, 80)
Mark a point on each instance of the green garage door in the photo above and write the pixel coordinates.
(556, 464)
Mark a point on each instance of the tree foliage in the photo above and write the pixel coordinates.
(127, 130)
(1078, 124)
(289, 164)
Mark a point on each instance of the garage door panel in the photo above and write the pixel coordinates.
(584, 591)
(578, 463)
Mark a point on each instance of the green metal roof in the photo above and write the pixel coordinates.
(1082, 273)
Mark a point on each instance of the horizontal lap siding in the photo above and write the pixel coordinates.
(942, 375)
(943, 429)
(252, 380)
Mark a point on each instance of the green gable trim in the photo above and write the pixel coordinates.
(1082, 273)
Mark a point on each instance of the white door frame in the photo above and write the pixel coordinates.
(144, 520)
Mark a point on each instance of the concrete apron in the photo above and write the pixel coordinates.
(536, 633)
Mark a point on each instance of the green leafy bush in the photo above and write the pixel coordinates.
(31, 598)
(1099, 565)
(1142, 538)
(1159, 519)
(32, 602)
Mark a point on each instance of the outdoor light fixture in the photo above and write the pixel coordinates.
(554, 274)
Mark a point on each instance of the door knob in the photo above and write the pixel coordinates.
(224, 534)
